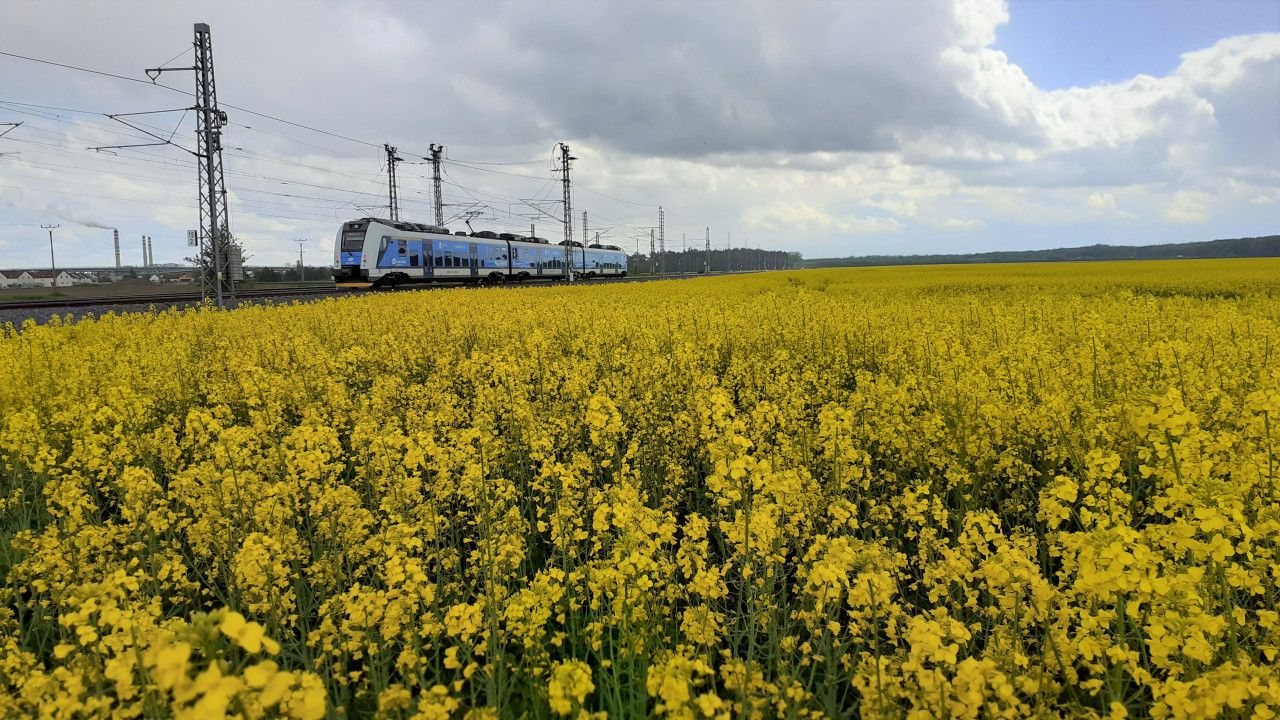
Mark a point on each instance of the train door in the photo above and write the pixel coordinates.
(474, 252)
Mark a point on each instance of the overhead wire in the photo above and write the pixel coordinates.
(471, 165)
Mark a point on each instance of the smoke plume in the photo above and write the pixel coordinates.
(79, 220)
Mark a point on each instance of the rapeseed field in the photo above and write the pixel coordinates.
(985, 491)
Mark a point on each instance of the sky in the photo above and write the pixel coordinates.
(825, 128)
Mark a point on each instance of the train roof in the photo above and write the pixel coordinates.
(363, 223)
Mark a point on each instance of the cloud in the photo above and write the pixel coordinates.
(815, 122)
(799, 216)
(1102, 201)
(1190, 207)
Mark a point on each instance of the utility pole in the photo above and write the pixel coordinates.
(53, 266)
(215, 220)
(684, 250)
(662, 242)
(565, 159)
(436, 152)
(216, 246)
(301, 244)
(653, 267)
(707, 263)
(584, 228)
(393, 199)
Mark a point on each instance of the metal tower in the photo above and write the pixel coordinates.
(436, 151)
(653, 266)
(707, 263)
(216, 245)
(393, 190)
(565, 159)
(662, 242)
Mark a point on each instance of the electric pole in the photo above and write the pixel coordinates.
(393, 199)
(301, 244)
(436, 152)
(215, 220)
(707, 262)
(565, 159)
(662, 242)
(653, 267)
(53, 266)
(220, 257)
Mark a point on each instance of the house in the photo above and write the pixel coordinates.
(34, 278)
(183, 278)
(15, 278)
(47, 278)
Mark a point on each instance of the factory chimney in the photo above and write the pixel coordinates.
(115, 233)
(144, 251)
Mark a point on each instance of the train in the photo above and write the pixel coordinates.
(391, 252)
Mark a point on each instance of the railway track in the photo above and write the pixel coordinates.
(15, 311)
(168, 298)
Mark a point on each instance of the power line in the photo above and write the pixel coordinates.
(183, 92)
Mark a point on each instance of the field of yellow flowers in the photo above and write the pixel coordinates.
(987, 491)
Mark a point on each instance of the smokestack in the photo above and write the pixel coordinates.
(115, 232)
(151, 255)
(144, 251)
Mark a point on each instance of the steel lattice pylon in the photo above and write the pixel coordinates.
(219, 255)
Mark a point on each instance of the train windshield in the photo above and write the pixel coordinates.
(353, 241)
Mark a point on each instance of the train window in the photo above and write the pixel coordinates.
(353, 241)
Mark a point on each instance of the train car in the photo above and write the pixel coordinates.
(386, 252)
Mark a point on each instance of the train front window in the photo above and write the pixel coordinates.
(353, 241)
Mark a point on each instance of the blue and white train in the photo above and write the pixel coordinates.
(387, 252)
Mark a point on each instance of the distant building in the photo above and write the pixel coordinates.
(40, 278)
(16, 278)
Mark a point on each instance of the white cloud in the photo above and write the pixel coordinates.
(898, 205)
(1189, 207)
(799, 216)
(814, 122)
(1102, 201)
